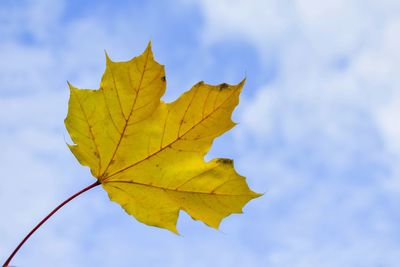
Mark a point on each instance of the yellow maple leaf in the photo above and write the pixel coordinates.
(149, 155)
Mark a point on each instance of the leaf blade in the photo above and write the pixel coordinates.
(149, 155)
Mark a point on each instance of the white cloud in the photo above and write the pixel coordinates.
(41, 49)
(337, 67)
(303, 139)
(323, 137)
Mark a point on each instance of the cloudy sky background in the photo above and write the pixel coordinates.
(318, 132)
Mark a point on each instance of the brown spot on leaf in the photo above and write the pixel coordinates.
(225, 161)
(223, 86)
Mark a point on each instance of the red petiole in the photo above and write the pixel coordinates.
(7, 262)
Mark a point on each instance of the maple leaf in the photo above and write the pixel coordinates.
(149, 155)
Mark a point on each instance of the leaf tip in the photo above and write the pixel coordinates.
(242, 82)
(108, 59)
(149, 49)
(71, 87)
(174, 230)
(256, 195)
(216, 225)
(149, 45)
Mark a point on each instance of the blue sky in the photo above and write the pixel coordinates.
(318, 129)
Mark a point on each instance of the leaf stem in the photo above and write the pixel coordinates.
(46, 218)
